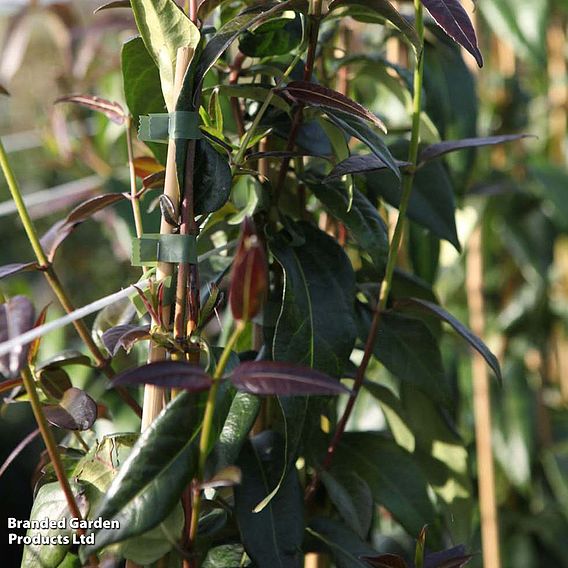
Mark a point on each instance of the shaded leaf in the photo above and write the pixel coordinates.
(64, 358)
(173, 374)
(407, 348)
(318, 275)
(15, 268)
(312, 94)
(385, 561)
(283, 379)
(451, 16)
(359, 165)
(151, 480)
(114, 4)
(273, 536)
(212, 178)
(451, 558)
(436, 150)
(34, 345)
(76, 410)
(358, 128)
(54, 382)
(458, 327)
(276, 37)
(124, 336)
(112, 110)
(18, 449)
(16, 317)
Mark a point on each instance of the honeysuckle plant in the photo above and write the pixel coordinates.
(272, 299)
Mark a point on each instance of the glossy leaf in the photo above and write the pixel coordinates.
(451, 16)
(395, 480)
(112, 110)
(213, 179)
(360, 165)
(64, 358)
(359, 216)
(113, 4)
(273, 536)
(76, 410)
(312, 94)
(458, 327)
(16, 317)
(15, 268)
(124, 336)
(165, 28)
(432, 203)
(436, 150)
(283, 379)
(173, 374)
(276, 37)
(358, 128)
(151, 480)
(54, 382)
(318, 274)
(407, 348)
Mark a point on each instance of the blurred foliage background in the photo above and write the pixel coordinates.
(519, 193)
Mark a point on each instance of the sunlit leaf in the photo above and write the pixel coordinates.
(76, 410)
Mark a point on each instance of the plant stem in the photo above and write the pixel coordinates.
(207, 424)
(133, 191)
(51, 276)
(392, 257)
(50, 444)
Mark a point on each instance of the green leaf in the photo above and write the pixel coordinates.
(142, 91)
(242, 415)
(317, 275)
(273, 536)
(407, 348)
(151, 480)
(387, 11)
(165, 28)
(393, 476)
(50, 503)
(431, 203)
(352, 497)
(343, 544)
(224, 556)
(458, 327)
(276, 37)
(360, 217)
(358, 128)
(212, 179)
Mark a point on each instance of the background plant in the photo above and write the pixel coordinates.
(418, 375)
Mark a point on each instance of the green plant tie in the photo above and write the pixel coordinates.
(160, 127)
(153, 248)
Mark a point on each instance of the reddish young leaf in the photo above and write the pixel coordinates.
(359, 165)
(283, 379)
(16, 317)
(10, 269)
(113, 111)
(124, 336)
(154, 180)
(146, 165)
(315, 95)
(75, 411)
(447, 146)
(461, 329)
(34, 345)
(249, 278)
(453, 19)
(174, 374)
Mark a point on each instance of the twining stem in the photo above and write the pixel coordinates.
(50, 444)
(207, 423)
(392, 257)
(51, 276)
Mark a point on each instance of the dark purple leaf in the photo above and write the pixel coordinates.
(124, 336)
(451, 16)
(76, 411)
(64, 358)
(283, 379)
(18, 450)
(452, 558)
(315, 95)
(281, 154)
(154, 180)
(54, 382)
(385, 561)
(113, 111)
(10, 269)
(437, 150)
(359, 165)
(174, 374)
(16, 317)
(60, 230)
(115, 4)
(461, 329)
